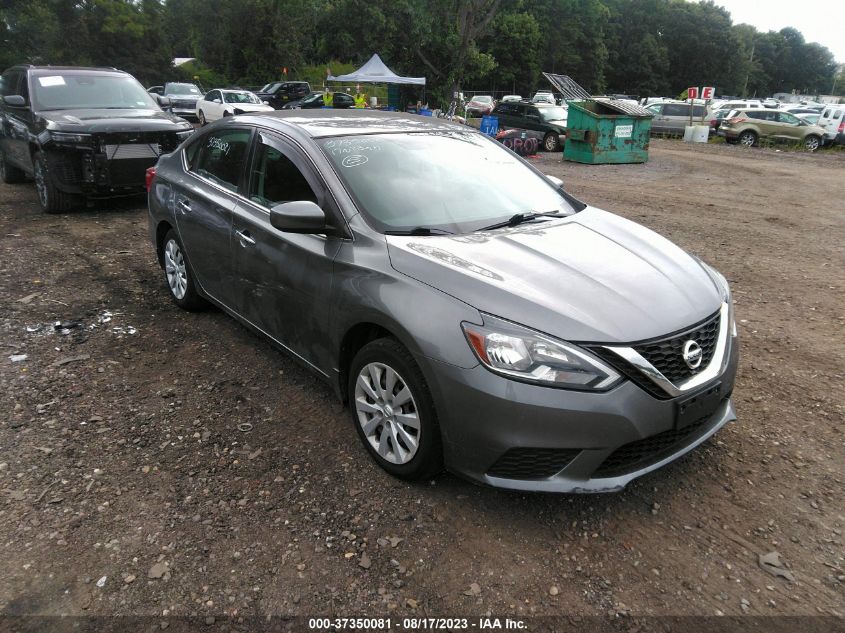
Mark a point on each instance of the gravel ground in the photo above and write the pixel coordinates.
(129, 488)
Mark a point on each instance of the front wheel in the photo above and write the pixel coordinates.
(551, 142)
(201, 117)
(52, 200)
(749, 139)
(812, 143)
(178, 275)
(393, 411)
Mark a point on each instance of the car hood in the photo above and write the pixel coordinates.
(590, 277)
(100, 120)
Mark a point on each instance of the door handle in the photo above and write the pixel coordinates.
(183, 205)
(245, 237)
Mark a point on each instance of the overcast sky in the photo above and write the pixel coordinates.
(820, 21)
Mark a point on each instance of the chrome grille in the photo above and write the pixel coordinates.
(667, 355)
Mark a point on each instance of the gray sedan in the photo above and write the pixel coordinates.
(470, 312)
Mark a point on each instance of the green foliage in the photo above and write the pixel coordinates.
(644, 47)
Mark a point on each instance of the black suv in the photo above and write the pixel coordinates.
(81, 132)
(543, 121)
(280, 93)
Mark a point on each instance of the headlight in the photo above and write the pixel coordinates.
(725, 289)
(182, 135)
(70, 137)
(518, 352)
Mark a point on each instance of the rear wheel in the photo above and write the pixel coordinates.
(52, 200)
(748, 138)
(393, 411)
(812, 143)
(178, 275)
(9, 173)
(551, 142)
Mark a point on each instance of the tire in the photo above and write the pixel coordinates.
(812, 143)
(201, 118)
(10, 174)
(51, 199)
(747, 138)
(401, 398)
(178, 274)
(551, 142)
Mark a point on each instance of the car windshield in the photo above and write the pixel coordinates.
(181, 89)
(313, 97)
(71, 91)
(240, 97)
(271, 86)
(482, 99)
(553, 114)
(455, 182)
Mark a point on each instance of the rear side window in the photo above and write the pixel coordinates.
(837, 114)
(220, 157)
(675, 109)
(699, 111)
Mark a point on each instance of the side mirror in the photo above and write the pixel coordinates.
(164, 102)
(301, 216)
(216, 101)
(16, 101)
(557, 182)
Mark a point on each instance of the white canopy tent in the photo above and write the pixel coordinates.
(376, 72)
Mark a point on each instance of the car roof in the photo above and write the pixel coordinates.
(320, 123)
(83, 69)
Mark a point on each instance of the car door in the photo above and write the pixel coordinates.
(204, 201)
(787, 127)
(283, 280)
(658, 123)
(16, 121)
(532, 119)
(218, 106)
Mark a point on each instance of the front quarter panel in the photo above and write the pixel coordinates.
(424, 319)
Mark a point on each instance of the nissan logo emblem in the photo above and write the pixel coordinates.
(692, 354)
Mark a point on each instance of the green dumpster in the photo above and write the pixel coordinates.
(606, 132)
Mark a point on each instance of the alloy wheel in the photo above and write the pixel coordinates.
(387, 413)
(747, 139)
(551, 144)
(175, 269)
(811, 143)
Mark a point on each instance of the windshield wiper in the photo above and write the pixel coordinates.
(518, 218)
(419, 230)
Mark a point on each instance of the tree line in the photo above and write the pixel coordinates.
(641, 47)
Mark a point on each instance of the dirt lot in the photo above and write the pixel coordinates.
(128, 488)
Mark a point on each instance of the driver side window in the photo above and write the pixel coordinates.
(276, 179)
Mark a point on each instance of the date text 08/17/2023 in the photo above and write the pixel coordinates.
(416, 624)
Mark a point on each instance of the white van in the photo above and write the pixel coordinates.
(832, 119)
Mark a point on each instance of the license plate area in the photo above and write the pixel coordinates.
(700, 405)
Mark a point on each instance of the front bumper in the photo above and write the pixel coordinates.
(113, 165)
(601, 441)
